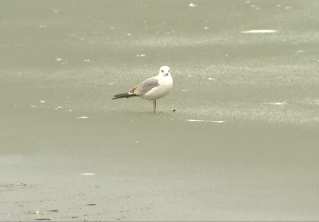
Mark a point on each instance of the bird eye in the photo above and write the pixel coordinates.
(162, 70)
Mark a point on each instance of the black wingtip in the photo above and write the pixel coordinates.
(123, 95)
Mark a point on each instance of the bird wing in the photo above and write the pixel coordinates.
(146, 86)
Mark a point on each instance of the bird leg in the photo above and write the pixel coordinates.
(154, 104)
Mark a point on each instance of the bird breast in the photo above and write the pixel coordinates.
(165, 84)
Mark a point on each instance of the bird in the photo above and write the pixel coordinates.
(152, 88)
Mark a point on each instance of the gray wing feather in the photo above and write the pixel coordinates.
(147, 85)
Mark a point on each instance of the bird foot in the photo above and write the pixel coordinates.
(157, 111)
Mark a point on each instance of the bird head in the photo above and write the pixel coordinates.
(164, 71)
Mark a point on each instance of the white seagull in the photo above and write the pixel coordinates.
(153, 88)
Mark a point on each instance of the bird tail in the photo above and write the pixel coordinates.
(123, 95)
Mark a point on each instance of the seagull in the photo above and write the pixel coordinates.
(151, 89)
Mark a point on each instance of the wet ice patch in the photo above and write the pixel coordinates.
(278, 103)
(316, 101)
(87, 174)
(209, 121)
(260, 31)
(82, 117)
